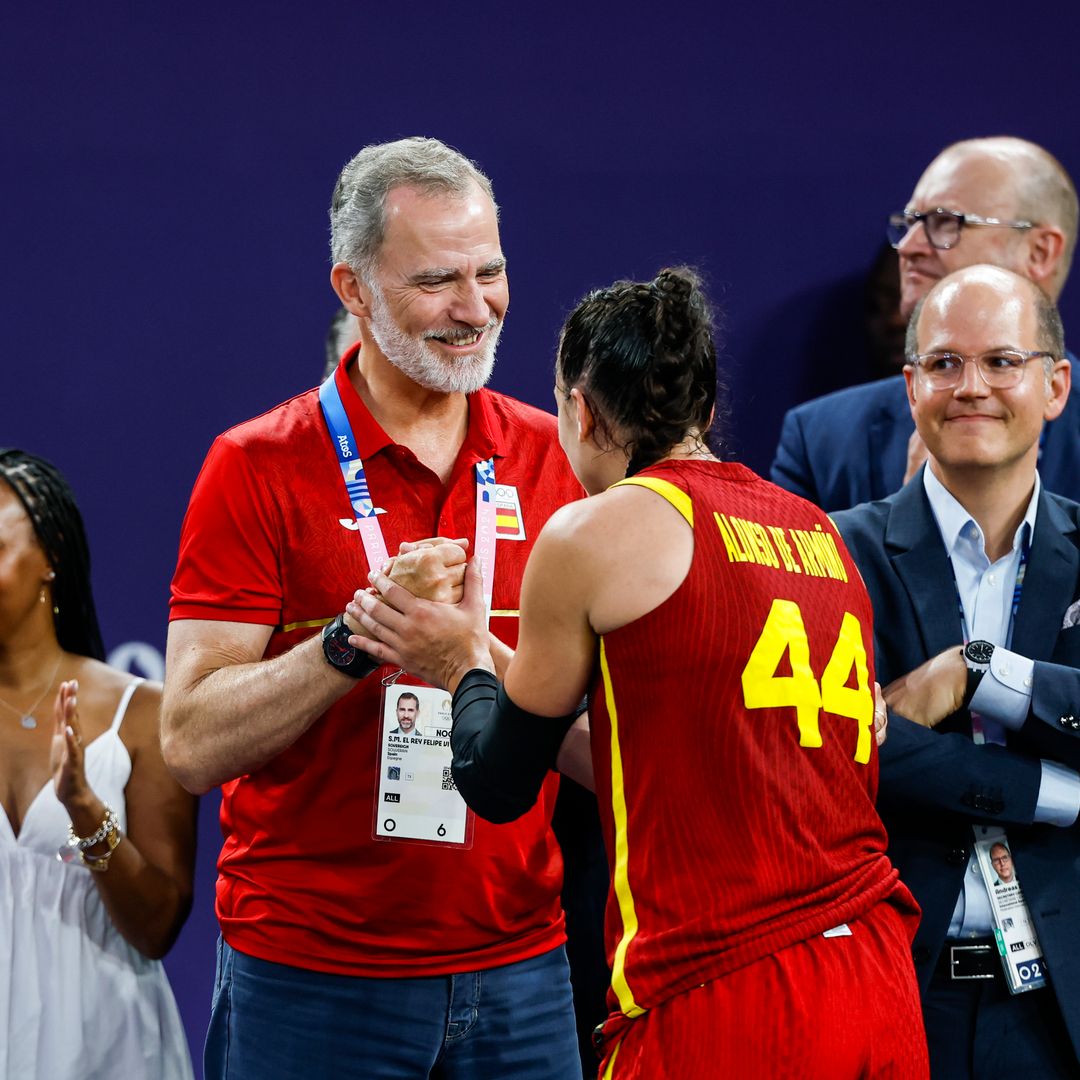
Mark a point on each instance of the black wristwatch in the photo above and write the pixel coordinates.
(977, 656)
(343, 656)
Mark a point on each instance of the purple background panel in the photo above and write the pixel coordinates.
(169, 169)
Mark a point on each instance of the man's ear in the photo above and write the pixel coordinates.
(354, 295)
(1046, 246)
(1057, 390)
(909, 380)
(583, 415)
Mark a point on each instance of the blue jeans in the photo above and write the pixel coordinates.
(276, 1022)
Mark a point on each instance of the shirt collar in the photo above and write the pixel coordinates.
(484, 438)
(955, 522)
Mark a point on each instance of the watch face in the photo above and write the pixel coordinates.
(338, 651)
(979, 652)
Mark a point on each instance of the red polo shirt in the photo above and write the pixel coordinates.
(301, 881)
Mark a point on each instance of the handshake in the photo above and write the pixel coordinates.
(420, 614)
(432, 569)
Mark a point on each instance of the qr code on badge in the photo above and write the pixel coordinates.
(448, 779)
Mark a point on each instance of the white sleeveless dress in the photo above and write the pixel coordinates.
(77, 1002)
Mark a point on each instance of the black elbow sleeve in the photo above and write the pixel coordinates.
(501, 753)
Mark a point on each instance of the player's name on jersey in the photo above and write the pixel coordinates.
(795, 551)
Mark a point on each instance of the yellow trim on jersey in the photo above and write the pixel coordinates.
(609, 1072)
(306, 625)
(625, 897)
(509, 613)
(674, 495)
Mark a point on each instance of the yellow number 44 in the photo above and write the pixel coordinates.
(784, 631)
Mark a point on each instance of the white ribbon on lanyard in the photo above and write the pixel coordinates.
(485, 528)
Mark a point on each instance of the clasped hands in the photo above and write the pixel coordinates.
(424, 612)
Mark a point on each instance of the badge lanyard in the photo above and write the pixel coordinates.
(1014, 930)
(416, 800)
(364, 510)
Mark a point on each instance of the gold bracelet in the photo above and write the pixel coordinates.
(76, 846)
(100, 863)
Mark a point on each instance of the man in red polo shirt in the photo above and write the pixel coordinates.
(370, 925)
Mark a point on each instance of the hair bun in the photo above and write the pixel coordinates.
(678, 306)
(644, 354)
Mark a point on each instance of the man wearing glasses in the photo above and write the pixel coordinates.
(974, 573)
(1002, 201)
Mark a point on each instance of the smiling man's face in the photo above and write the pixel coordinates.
(973, 425)
(440, 295)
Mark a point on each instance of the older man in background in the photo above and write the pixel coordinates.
(1002, 201)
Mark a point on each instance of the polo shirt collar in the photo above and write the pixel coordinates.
(486, 436)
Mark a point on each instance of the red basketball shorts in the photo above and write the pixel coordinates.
(824, 1009)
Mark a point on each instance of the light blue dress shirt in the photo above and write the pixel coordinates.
(1003, 698)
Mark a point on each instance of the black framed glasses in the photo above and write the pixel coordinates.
(943, 227)
(999, 368)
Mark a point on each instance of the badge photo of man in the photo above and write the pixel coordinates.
(408, 713)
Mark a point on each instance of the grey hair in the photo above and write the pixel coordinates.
(358, 205)
(1044, 191)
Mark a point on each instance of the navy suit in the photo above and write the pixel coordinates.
(936, 783)
(850, 447)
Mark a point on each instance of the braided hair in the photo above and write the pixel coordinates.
(50, 504)
(643, 353)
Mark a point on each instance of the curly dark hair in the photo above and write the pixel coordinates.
(50, 504)
(644, 355)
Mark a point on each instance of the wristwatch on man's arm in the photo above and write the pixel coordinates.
(977, 656)
(343, 656)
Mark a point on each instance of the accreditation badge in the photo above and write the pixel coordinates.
(1017, 942)
(416, 800)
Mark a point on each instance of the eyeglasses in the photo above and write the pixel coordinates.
(999, 368)
(1001, 860)
(943, 227)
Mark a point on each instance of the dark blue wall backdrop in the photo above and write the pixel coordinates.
(168, 169)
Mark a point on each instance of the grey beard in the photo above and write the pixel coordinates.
(415, 358)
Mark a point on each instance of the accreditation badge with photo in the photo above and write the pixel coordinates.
(416, 798)
(1014, 930)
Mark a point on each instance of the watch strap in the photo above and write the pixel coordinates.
(972, 653)
(974, 677)
(336, 650)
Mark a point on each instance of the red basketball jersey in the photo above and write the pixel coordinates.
(732, 736)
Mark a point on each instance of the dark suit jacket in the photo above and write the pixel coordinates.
(936, 784)
(850, 447)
